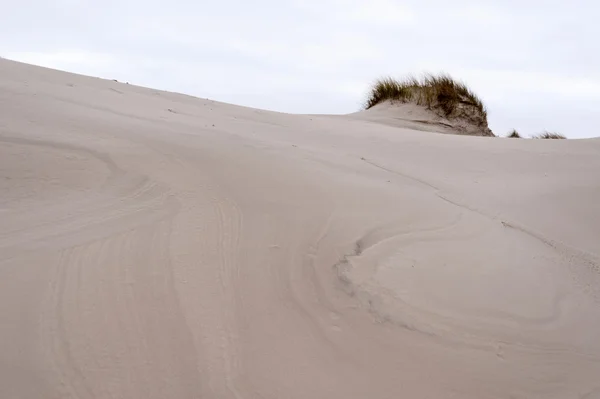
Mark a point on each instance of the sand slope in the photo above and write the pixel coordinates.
(155, 245)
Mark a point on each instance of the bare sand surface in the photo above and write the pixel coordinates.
(156, 245)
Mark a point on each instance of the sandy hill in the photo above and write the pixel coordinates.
(156, 245)
(437, 103)
(418, 117)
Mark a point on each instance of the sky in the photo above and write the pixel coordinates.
(535, 64)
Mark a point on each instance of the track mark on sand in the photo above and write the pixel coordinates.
(570, 254)
(230, 225)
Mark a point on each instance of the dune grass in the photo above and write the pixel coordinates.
(433, 91)
(514, 134)
(549, 135)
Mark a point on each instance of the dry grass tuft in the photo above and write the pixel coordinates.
(440, 92)
(549, 135)
(514, 135)
(388, 89)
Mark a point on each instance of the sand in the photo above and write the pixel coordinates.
(156, 245)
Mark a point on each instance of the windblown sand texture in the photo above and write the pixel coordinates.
(156, 245)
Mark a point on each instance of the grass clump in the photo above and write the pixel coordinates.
(439, 92)
(550, 135)
(514, 134)
(388, 89)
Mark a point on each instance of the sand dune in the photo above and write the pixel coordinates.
(156, 245)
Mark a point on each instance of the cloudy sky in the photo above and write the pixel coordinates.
(535, 63)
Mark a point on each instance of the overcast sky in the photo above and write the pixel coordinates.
(536, 64)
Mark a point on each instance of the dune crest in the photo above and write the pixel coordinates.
(440, 100)
(418, 117)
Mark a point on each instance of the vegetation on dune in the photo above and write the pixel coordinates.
(439, 92)
(549, 135)
(446, 97)
(514, 135)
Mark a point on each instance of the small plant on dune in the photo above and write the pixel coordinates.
(549, 135)
(433, 91)
(514, 135)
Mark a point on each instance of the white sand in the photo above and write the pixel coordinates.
(155, 245)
